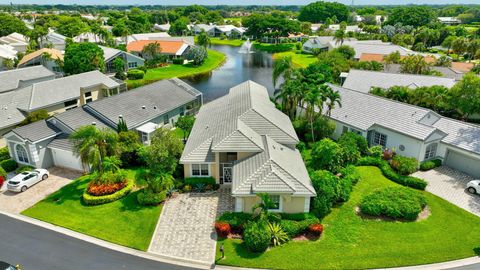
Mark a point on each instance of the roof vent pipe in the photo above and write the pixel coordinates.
(94, 124)
(154, 107)
(143, 107)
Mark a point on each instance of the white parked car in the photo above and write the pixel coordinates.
(474, 186)
(24, 180)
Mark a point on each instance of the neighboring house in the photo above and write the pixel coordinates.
(173, 49)
(143, 36)
(6, 52)
(315, 26)
(45, 143)
(130, 60)
(447, 72)
(88, 37)
(53, 40)
(242, 140)
(320, 42)
(364, 80)
(18, 41)
(349, 28)
(162, 27)
(412, 131)
(449, 20)
(228, 30)
(49, 58)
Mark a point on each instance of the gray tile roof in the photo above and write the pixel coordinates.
(446, 71)
(373, 47)
(364, 80)
(64, 89)
(61, 142)
(9, 103)
(365, 110)
(37, 131)
(235, 123)
(278, 169)
(158, 98)
(11, 79)
(79, 117)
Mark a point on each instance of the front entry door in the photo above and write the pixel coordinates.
(227, 175)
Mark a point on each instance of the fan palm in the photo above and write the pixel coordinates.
(262, 208)
(333, 97)
(152, 50)
(282, 67)
(340, 36)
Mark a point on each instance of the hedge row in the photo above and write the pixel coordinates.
(96, 200)
(430, 164)
(9, 165)
(192, 181)
(294, 228)
(148, 197)
(389, 173)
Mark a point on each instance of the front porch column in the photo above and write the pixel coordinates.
(216, 173)
(306, 207)
(238, 204)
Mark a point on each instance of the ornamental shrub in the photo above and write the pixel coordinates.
(430, 164)
(96, 189)
(223, 228)
(316, 229)
(297, 216)
(2, 180)
(256, 236)
(237, 220)
(193, 181)
(9, 165)
(4, 154)
(3, 173)
(375, 151)
(96, 200)
(135, 74)
(351, 138)
(327, 155)
(404, 165)
(178, 61)
(295, 228)
(24, 168)
(148, 197)
(394, 202)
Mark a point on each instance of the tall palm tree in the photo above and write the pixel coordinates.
(282, 67)
(93, 145)
(152, 50)
(333, 97)
(340, 36)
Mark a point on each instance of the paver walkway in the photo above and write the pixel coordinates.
(450, 185)
(186, 230)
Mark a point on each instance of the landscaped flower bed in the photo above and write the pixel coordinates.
(96, 200)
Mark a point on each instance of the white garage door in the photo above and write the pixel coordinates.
(463, 163)
(66, 159)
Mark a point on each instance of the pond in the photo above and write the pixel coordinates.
(238, 67)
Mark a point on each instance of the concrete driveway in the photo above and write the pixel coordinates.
(450, 185)
(17, 202)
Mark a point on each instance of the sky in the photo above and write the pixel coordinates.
(233, 2)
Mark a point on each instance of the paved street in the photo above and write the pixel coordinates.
(450, 185)
(36, 248)
(186, 225)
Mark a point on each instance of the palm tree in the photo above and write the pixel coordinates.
(111, 164)
(282, 67)
(314, 99)
(263, 206)
(93, 145)
(203, 39)
(340, 36)
(152, 49)
(333, 98)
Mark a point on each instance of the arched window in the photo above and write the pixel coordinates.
(22, 155)
(431, 151)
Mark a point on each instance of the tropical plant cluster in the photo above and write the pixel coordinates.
(430, 164)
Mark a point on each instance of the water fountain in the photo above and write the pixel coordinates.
(246, 47)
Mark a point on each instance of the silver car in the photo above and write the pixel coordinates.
(25, 180)
(474, 186)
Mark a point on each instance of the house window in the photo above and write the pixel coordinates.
(431, 151)
(165, 119)
(356, 131)
(276, 202)
(200, 170)
(88, 97)
(379, 139)
(72, 104)
(182, 111)
(132, 64)
(344, 130)
(21, 153)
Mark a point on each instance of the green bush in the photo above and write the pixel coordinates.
(237, 220)
(9, 165)
(4, 154)
(327, 155)
(24, 168)
(256, 236)
(148, 197)
(404, 165)
(394, 202)
(178, 61)
(375, 151)
(389, 173)
(294, 228)
(96, 200)
(3, 173)
(135, 74)
(351, 138)
(192, 181)
(430, 164)
(297, 216)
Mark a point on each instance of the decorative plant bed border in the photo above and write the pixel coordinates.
(97, 200)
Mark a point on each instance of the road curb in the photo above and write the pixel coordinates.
(105, 244)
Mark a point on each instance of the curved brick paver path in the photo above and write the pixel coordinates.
(185, 229)
(450, 185)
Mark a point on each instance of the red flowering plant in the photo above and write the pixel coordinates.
(223, 229)
(316, 229)
(2, 179)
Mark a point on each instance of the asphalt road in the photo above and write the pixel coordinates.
(37, 248)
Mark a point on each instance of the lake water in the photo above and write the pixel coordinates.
(238, 67)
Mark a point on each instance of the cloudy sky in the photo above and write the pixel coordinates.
(233, 2)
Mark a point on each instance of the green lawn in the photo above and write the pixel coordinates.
(299, 59)
(350, 242)
(229, 42)
(122, 222)
(214, 60)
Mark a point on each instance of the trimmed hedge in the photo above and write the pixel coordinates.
(4, 154)
(389, 173)
(148, 197)
(9, 165)
(404, 165)
(192, 181)
(3, 173)
(297, 216)
(294, 228)
(237, 220)
(430, 164)
(394, 202)
(24, 168)
(256, 236)
(135, 74)
(178, 61)
(96, 200)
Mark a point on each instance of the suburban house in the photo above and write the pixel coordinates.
(449, 20)
(412, 131)
(53, 95)
(130, 60)
(53, 40)
(45, 143)
(88, 37)
(320, 42)
(242, 140)
(49, 58)
(213, 30)
(7, 52)
(448, 72)
(364, 80)
(18, 41)
(144, 36)
(162, 27)
(349, 28)
(173, 49)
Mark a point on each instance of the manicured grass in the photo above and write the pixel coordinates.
(229, 42)
(350, 242)
(122, 222)
(274, 48)
(299, 60)
(214, 60)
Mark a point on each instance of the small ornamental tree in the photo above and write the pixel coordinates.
(197, 54)
(164, 151)
(186, 124)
